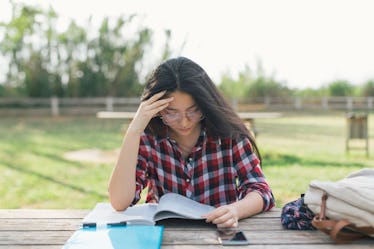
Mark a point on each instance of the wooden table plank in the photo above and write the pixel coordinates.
(40, 224)
(251, 246)
(30, 246)
(29, 229)
(179, 237)
(53, 220)
(73, 224)
(350, 246)
(212, 246)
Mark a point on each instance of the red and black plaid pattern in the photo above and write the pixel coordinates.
(217, 172)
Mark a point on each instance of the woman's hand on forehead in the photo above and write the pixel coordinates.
(147, 110)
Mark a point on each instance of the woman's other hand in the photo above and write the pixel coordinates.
(224, 216)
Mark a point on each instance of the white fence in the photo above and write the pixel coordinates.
(64, 106)
(88, 106)
(307, 103)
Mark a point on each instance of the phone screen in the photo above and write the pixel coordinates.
(231, 237)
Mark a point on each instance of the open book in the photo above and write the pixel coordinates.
(170, 205)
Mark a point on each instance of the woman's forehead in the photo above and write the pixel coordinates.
(181, 101)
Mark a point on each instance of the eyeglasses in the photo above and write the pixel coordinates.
(174, 117)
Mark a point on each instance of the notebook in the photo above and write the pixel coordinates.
(116, 237)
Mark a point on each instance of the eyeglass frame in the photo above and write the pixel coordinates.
(181, 116)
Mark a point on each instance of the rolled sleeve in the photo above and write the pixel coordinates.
(141, 179)
(141, 169)
(251, 177)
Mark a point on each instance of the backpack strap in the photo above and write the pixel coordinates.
(341, 231)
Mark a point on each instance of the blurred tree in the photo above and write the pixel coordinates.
(31, 65)
(105, 65)
(167, 50)
(15, 46)
(236, 89)
(340, 88)
(311, 92)
(267, 87)
(73, 45)
(3, 90)
(36, 77)
(252, 85)
(368, 89)
(76, 62)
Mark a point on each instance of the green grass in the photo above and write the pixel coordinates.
(33, 171)
(34, 174)
(298, 148)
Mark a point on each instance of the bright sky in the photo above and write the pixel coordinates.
(304, 43)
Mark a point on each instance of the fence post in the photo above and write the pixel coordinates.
(370, 102)
(109, 103)
(298, 104)
(54, 106)
(325, 103)
(234, 103)
(349, 103)
(267, 102)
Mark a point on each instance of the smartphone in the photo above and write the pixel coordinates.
(231, 237)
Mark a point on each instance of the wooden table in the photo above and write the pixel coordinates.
(33, 228)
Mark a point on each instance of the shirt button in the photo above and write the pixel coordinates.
(188, 180)
(190, 159)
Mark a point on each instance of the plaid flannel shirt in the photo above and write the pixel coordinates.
(217, 171)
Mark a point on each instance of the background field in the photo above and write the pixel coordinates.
(297, 148)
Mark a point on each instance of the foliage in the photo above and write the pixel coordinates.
(340, 88)
(310, 92)
(368, 89)
(78, 62)
(267, 87)
(84, 61)
(236, 88)
(2, 90)
(252, 85)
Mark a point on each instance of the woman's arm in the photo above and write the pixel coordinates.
(122, 182)
(254, 192)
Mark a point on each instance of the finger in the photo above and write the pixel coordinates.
(215, 214)
(150, 113)
(223, 218)
(154, 109)
(158, 103)
(210, 216)
(156, 96)
(160, 108)
(146, 107)
(229, 223)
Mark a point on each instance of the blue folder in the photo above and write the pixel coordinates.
(123, 237)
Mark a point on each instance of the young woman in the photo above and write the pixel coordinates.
(185, 138)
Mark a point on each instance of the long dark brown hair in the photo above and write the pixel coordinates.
(184, 75)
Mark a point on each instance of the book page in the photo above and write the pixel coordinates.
(104, 214)
(173, 205)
